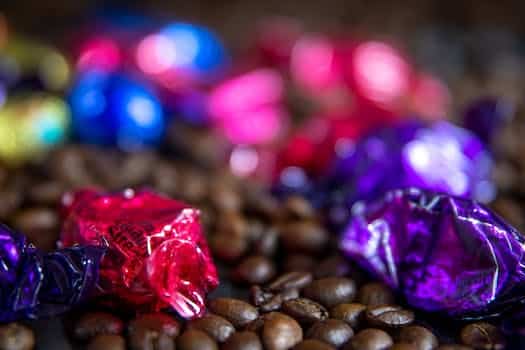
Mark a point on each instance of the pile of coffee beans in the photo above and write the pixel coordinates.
(283, 283)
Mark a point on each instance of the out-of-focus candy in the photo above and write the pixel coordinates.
(156, 255)
(443, 253)
(99, 53)
(115, 109)
(486, 116)
(247, 109)
(180, 54)
(30, 125)
(25, 64)
(35, 284)
(440, 157)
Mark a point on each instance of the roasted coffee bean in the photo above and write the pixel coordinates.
(165, 177)
(352, 314)
(243, 341)
(41, 225)
(238, 312)
(254, 270)
(289, 294)
(14, 336)
(228, 247)
(95, 323)
(11, 200)
(388, 316)
(331, 331)
(370, 339)
(420, 337)
(304, 236)
(331, 291)
(403, 346)
(225, 199)
(297, 207)
(313, 344)
(267, 243)
(298, 262)
(47, 193)
(193, 339)
(155, 331)
(136, 169)
(107, 342)
(305, 310)
(259, 296)
(234, 224)
(290, 280)
(375, 294)
(482, 335)
(280, 332)
(217, 327)
(454, 347)
(335, 266)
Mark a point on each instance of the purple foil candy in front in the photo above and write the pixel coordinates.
(34, 284)
(443, 253)
(440, 157)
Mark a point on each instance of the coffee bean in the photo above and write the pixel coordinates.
(238, 312)
(297, 207)
(267, 243)
(350, 313)
(107, 342)
(41, 225)
(165, 177)
(224, 198)
(420, 337)
(217, 327)
(243, 341)
(482, 335)
(47, 193)
(454, 347)
(11, 200)
(307, 237)
(280, 332)
(335, 266)
(193, 339)
(298, 262)
(403, 346)
(228, 247)
(290, 280)
(331, 291)
(313, 344)
(155, 331)
(370, 339)
(389, 316)
(331, 331)
(95, 323)
(375, 294)
(14, 336)
(254, 270)
(305, 310)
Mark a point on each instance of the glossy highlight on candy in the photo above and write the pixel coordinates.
(443, 253)
(156, 256)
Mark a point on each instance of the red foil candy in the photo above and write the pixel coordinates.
(156, 255)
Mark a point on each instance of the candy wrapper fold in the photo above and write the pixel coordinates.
(35, 284)
(443, 253)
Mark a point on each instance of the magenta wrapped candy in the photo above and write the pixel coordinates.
(34, 284)
(443, 253)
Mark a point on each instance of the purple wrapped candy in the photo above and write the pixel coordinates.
(486, 116)
(440, 157)
(443, 253)
(34, 284)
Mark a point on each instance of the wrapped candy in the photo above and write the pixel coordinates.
(156, 255)
(443, 253)
(34, 284)
(440, 157)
